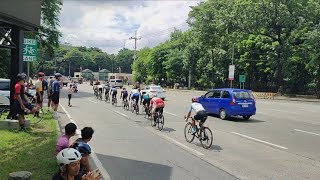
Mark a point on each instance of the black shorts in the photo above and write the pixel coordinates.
(50, 95)
(201, 115)
(124, 96)
(146, 101)
(38, 97)
(17, 107)
(69, 96)
(55, 98)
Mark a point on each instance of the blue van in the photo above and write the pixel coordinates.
(228, 102)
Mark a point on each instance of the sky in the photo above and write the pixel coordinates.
(108, 24)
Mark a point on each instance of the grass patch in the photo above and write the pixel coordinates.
(30, 151)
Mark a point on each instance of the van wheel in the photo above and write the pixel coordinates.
(223, 114)
(246, 117)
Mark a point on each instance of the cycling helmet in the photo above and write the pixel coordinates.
(83, 148)
(57, 75)
(68, 155)
(124, 88)
(194, 99)
(152, 95)
(22, 76)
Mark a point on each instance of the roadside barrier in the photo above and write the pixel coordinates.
(264, 95)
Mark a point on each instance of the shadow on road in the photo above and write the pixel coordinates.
(213, 147)
(237, 119)
(124, 169)
(167, 129)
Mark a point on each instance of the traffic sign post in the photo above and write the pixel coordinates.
(231, 74)
(242, 80)
(30, 53)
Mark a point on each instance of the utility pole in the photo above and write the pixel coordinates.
(124, 44)
(232, 59)
(135, 45)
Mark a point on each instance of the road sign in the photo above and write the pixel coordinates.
(231, 72)
(242, 78)
(30, 50)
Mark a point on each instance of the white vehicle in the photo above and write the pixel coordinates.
(5, 87)
(116, 83)
(153, 89)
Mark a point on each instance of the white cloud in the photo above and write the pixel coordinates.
(107, 24)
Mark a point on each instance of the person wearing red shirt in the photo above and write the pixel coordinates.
(156, 105)
(22, 104)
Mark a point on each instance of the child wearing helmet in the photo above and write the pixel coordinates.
(85, 151)
(201, 114)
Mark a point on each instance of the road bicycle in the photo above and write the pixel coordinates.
(100, 96)
(204, 135)
(114, 100)
(159, 120)
(134, 107)
(125, 104)
(107, 98)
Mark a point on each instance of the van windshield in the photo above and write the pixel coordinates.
(119, 81)
(243, 95)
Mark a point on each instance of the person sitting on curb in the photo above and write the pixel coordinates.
(69, 163)
(63, 141)
(86, 136)
(22, 104)
(85, 151)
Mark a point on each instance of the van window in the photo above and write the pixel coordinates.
(119, 81)
(5, 86)
(112, 80)
(242, 95)
(209, 94)
(217, 94)
(225, 94)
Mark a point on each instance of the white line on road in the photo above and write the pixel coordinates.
(307, 132)
(103, 171)
(93, 101)
(258, 140)
(120, 113)
(171, 113)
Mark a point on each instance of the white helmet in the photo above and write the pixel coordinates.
(68, 155)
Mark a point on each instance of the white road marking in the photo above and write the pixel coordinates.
(93, 101)
(307, 132)
(120, 113)
(98, 163)
(171, 114)
(258, 140)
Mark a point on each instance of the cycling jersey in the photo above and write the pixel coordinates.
(196, 107)
(124, 92)
(146, 97)
(157, 103)
(135, 93)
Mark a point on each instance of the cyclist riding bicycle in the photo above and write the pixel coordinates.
(100, 88)
(146, 100)
(124, 94)
(201, 114)
(134, 95)
(156, 105)
(113, 92)
(106, 90)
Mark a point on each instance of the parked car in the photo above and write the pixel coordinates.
(5, 87)
(229, 102)
(153, 89)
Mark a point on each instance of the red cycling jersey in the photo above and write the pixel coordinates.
(157, 102)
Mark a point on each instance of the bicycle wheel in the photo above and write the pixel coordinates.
(137, 109)
(132, 107)
(160, 122)
(187, 132)
(206, 137)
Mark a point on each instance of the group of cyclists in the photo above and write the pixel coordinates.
(150, 101)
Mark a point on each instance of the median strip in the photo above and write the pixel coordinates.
(258, 140)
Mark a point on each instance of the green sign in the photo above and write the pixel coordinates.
(242, 78)
(30, 50)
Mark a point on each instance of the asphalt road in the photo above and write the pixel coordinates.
(281, 142)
